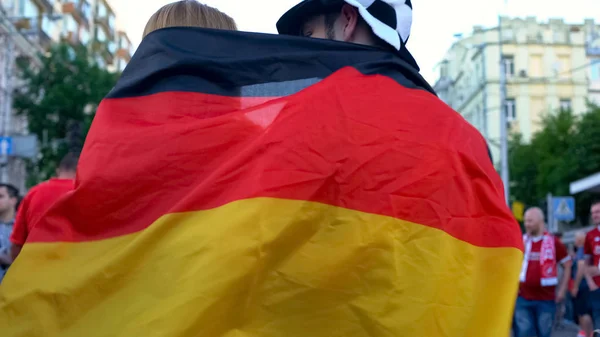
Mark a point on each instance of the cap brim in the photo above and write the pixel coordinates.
(291, 22)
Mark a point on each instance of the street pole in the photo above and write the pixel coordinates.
(503, 118)
(549, 220)
(484, 83)
(7, 106)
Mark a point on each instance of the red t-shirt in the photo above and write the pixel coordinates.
(591, 249)
(532, 288)
(39, 199)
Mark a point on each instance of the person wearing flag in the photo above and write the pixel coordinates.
(540, 288)
(243, 184)
(591, 250)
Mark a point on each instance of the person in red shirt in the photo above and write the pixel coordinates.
(39, 199)
(536, 305)
(591, 249)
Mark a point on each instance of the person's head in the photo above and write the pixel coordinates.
(381, 23)
(596, 213)
(9, 198)
(579, 239)
(189, 13)
(67, 169)
(534, 221)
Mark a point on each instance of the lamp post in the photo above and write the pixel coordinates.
(504, 174)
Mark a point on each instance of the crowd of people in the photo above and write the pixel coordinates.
(18, 216)
(557, 282)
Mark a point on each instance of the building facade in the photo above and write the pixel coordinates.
(29, 27)
(546, 70)
(593, 53)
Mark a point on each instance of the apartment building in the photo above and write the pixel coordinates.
(28, 27)
(593, 54)
(546, 70)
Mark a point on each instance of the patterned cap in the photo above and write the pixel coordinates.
(390, 20)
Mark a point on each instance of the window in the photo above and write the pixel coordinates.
(122, 65)
(509, 65)
(112, 47)
(595, 70)
(100, 35)
(123, 44)
(72, 54)
(565, 104)
(563, 67)
(508, 35)
(48, 26)
(70, 24)
(86, 10)
(84, 36)
(100, 62)
(102, 11)
(510, 109)
(536, 66)
(111, 21)
(28, 9)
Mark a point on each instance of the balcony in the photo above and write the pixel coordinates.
(105, 18)
(107, 24)
(103, 49)
(46, 5)
(79, 9)
(70, 38)
(36, 29)
(125, 50)
(44, 39)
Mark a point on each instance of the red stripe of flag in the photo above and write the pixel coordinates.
(408, 156)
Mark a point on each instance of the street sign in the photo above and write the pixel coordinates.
(24, 146)
(563, 208)
(5, 146)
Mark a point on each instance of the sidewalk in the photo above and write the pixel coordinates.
(566, 329)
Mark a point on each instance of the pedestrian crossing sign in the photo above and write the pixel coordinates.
(563, 208)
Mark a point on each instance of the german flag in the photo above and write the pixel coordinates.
(248, 185)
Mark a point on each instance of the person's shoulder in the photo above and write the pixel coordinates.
(50, 184)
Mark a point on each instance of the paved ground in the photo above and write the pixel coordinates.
(565, 330)
(565, 333)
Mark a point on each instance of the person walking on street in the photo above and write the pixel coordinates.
(40, 198)
(591, 250)
(536, 304)
(9, 199)
(580, 290)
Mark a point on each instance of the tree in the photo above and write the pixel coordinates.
(58, 100)
(523, 170)
(587, 153)
(565, 149)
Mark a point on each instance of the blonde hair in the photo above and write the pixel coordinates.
(189, 13)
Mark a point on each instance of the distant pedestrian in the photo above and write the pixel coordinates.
(580, 289)
(40, 198)
(536, 305)
(592, 273)
(9, 199)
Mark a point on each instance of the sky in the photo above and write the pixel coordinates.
(435, 22)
